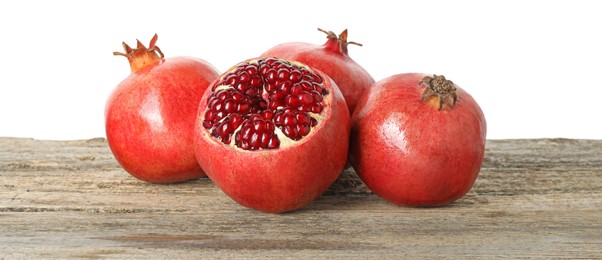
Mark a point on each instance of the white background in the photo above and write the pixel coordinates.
(533, 66)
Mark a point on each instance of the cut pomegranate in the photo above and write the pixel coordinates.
(272, 134)
(259, 101)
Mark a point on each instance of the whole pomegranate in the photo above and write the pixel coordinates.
(150, 115)
(418, 140)
(272, 134)
(333, 59)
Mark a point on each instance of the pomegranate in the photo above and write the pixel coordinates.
(333, 59)
(272, 134)
(418, 140)
(150, 115)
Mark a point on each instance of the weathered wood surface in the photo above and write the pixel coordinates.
(70, 199)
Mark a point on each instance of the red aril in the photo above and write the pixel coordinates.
(418, 140)
(333, 59)
(272, 134)
(150, 115)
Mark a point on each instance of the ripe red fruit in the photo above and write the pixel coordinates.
(418, 140)
(331, 58)
(150, 115)
(272, 134)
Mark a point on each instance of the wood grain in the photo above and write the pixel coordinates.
(538, 198)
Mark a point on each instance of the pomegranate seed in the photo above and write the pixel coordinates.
(237, 96)
(227, 139)
(274, 142)
(217, 106)
(258, 126)
(291, 132)
(279, 118)
(274, 104)
(224, 129)
(283, 74)
(262, 105)
(255, 140)
(218, 116)
(231, 80)
(246, 132)
(317, 78)
(306, 98)
(292, 101)
(285, 88)
(267, 114)
(265, 139)
(244, 77)
(295, 76)
(251, 91)
(237, 138)
(212, 101)
(296, 89)
(230, 106)
(223, 95)
(254, 117)
(307, 77)
(263, 68)
(317, 96)
(306, 86)
(271, 87)
(236, 120)
(303, 129)
(303, 118)
(289, 119)
(256, 82)
(242, 87)
(252, 69)
(277, 96)
(244, 108)
(244, 145)
(271, 76)
(209, 115)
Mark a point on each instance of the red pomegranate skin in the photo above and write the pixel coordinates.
(150, 117)
(411, 153)
(331, 58)
(283, 179)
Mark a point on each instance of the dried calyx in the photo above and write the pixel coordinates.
(441, 88)
(259, 104)
(338, 43)
(141, 56)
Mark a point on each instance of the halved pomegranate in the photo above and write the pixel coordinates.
(272, 134)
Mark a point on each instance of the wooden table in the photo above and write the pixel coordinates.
(70, 199)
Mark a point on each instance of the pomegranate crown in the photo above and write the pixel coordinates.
(339, 42)
(440, 87)
(141, 56)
